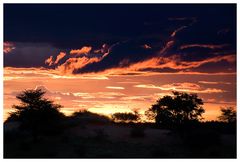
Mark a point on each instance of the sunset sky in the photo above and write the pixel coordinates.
(117, 58)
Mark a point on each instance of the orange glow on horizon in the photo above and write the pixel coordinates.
(106, 94)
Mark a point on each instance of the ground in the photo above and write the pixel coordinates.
(112, 140)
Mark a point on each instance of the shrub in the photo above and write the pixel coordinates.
(89, 117)
(125, 117)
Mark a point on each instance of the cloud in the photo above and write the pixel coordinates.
(8, 47)
(175, 62)
(83, 50)
(103, 50)
(126, 53)
(188, 20)
(29, 55)
(7, 78)
(76, 59)
(83, 96)
(49, 61)
(183, 87)
(208, 82)
(76, 63)
(210, 46)
(11, 73)
(146, 46)
(59, 57)
(121, 54)
(165, 48)
(136, 56)
(114, 87)
(177, 30)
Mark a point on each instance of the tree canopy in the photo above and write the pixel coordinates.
(34, 112)
(177, 109)
(228, 114)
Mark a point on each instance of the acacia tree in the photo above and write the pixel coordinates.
(36, 113)
(177, 109)
(228, 115)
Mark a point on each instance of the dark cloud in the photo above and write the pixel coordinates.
(121, 54)
(29, 55)
(190, 33)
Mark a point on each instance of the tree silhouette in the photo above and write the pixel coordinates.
(126, 117)
(177, 109)
(35, 113)
(228, 114)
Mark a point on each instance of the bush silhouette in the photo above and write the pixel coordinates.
(181, 108)
(85, 116)
(125, 117)
(35, 113)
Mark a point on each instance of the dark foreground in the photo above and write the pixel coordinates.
(112, 140)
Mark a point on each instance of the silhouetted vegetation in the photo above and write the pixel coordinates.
(85, 116)
(89, 135)
(36, 114)
(126, 117)
(181, 108)
(228, 114)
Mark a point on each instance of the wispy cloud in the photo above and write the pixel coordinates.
(114, 87)
(175, 62)
(210, 46)
(83, 50)
(209, 82)
(59, 57)
(177, 30)
(8, 47)
(43, 73)
(183, 87)
(76, 63)
(146, 46)
(49, 61)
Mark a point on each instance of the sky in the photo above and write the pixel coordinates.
(109, 58)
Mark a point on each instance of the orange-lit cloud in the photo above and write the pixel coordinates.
(76, 63)
(114, 87)
(7, 78)
(145, 46)
(174, 62)
(83, 50)
(59, 57)
(177, 30)
(210, 46)
(167, 46)
(49, 61)
(8, 47)
(208, 82)
(183, 87)
(11, 73)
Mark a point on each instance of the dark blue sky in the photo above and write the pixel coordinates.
(66, 25)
